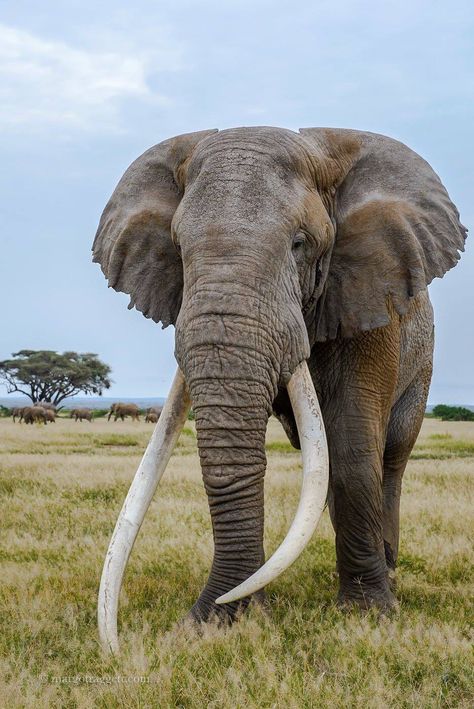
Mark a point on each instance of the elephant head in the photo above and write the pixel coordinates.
(256, 243)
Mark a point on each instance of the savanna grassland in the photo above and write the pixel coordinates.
(62, 487)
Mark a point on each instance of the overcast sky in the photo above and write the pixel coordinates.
(85, 87)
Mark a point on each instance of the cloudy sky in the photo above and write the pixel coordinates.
(85, 87)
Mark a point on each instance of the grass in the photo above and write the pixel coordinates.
(441, 446)
(62, 487)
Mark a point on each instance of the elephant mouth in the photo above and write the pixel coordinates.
(315, 463)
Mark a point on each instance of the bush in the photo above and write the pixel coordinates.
(453, 413)
(99, 413)
(4, 411)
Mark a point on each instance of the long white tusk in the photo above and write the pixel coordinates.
(142, 489)
(314, 453)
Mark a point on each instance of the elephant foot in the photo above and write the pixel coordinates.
(207, 611)
(364, 597)
(222, 616)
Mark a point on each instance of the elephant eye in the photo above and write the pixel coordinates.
(298, 242)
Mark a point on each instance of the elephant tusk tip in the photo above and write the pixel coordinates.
(225, 598)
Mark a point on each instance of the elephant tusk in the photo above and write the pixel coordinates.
(315, 458)
(132, 514)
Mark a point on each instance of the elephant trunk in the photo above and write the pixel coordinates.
(231, 420)
(231, 362)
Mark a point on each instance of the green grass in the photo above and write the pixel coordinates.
(116, 439)
(442, 447)
(280, 447)
(59, 508)
(438, 446)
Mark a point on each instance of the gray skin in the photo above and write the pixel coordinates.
(151, 417)
(34, 414)
(266, 248)
(120, 410)
(81, 415)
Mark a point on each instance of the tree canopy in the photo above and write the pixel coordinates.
(44, 375)
(453, 413)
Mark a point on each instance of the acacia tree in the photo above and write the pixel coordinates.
(44, 375)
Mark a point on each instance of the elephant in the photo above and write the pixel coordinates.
(18, 411)
(122, 410)
(34, 414)
(46, 405)
(153, 413)
(155, 410)
(81, 414)
(50, 415)
(294, 267)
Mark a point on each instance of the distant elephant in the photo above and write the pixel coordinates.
(121, 410)
(81, 415)
(34, 414)
(155, 410)
(17, 411)
(50, 415)
(46, 405)
(151, 417)
(295, 268)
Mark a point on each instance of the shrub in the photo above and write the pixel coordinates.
(99, 413)
(453, 413)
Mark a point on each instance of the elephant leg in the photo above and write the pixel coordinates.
(404, 425)
(356, 511)
(357, 380)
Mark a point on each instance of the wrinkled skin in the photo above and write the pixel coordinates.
(81, 415)
(120, 410)
(266, 248)
(34, 414)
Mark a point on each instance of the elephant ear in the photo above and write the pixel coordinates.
(396, 228)
(133, 242)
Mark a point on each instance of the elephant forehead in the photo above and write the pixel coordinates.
(253, 147)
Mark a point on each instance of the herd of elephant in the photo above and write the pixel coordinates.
(120, 410)
(38, 413)
(45, 412)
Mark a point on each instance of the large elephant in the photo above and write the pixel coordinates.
(120, 410)
(275, 252)
(34, 414)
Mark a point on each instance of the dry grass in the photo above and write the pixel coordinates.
(62, 488)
